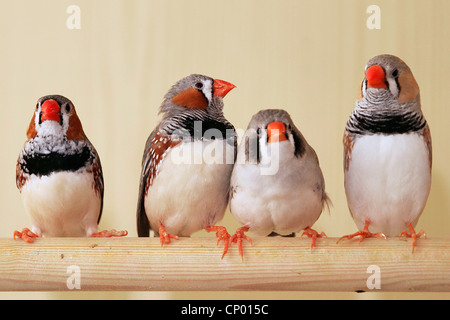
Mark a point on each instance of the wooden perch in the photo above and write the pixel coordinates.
(195, 264)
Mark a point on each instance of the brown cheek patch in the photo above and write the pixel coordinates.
(191, 98)
(348, 147)
(409, 89)
(31, 132)
(75, 130)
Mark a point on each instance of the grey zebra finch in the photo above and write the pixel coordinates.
(387, 153)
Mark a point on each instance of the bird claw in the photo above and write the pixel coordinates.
(313, 234)
(221, 234)
(237, 238)
(26, 235)
(164, 236)
(363, 234)
(413, 235)
(110, 233)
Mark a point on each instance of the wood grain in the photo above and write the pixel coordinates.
(141, 264)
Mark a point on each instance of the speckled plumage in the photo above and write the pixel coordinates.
(179, 190)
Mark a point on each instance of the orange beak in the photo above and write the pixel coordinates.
(276, 131)
(376, 78)
(50, 110)
(221, 88)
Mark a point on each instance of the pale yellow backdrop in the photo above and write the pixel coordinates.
(305, 56)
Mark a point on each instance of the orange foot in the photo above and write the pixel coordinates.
(165, 237)
(313, 234)
(364, 234)
(26, 235)
(109, 233)
(237, 238)
(413, 235)
(221, 234)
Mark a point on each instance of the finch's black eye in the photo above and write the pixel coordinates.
(68, 107)
(395, 73)
(199, 85)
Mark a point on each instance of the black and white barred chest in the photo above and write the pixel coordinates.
(42, 160)
(386, 119)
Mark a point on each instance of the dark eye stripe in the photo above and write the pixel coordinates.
(398, 85)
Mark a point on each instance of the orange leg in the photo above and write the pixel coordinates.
(313, 234)
(221, 234)
(237, 238)
(363, 234)
(413, 235)
(165, 237)
(109, 233)
(25, 235)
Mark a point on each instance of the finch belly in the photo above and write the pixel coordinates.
(62, 204)
(388, 181)
(190, 190)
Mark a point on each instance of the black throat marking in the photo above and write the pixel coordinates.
(397, 124)
(192, 127)
(391, 118)
(43, 164)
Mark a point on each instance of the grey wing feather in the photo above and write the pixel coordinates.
(326, 201)
(143, 225)
(97, 172)
(98, 176)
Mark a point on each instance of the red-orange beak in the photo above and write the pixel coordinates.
(221, 88)
(376, 78)
(276, 131)
(50, 110)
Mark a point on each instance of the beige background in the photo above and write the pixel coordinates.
(305, 56)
